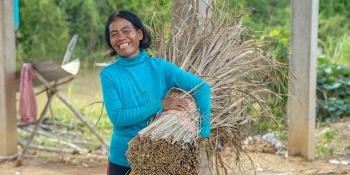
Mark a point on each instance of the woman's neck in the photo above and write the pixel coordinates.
(134, 59)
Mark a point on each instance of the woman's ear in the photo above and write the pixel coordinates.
(140, 34)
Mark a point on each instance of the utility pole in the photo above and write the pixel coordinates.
(302, 78)
(8, 134)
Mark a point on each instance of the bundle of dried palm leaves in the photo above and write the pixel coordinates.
(167, 145)
(153, 157)
(174, 125)
(241, 73)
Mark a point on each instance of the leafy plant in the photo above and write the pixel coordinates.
(333, 90)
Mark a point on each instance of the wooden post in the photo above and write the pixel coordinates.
(8, 134)
(182, 11)
(302, 83)
(185, 11)
(205, 8)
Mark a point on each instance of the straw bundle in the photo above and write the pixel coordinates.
(167, 145)
(241, 73)
(149, 157)
(174, 125)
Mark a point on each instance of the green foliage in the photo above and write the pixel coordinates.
(47, 25)
(277, 42)
(270, 19)
(333, 85)
(338, 7)
(334, 27)
(333, 92)
(337, 49)
(264, 13)
(323, 147)
(84, 19)
(43, 31)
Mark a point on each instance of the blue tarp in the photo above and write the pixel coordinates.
(16, 13)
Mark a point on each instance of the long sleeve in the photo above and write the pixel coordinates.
(119, 116)
(187, 81)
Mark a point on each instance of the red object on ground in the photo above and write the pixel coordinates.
(27, 102)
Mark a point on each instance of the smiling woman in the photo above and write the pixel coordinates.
(134, 87)
(125, 34)
(125, 39)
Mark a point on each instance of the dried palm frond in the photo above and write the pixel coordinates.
(167, 145)
(173, 125)
(149, 157)
(224, 53)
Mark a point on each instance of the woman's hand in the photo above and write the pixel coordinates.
(171, 103)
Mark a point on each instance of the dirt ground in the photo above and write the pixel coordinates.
(56, 165)
(269, 164)
(263, 164)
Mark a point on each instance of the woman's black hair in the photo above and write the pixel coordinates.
(135, 21)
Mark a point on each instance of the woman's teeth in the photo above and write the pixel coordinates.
(123, 45)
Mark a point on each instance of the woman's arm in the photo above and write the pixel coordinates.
(187, 81)
(119, 116)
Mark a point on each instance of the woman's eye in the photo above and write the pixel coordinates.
(126, 31)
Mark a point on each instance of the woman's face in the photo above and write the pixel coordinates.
(125, 38)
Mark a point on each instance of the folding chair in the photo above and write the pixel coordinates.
(53, 75)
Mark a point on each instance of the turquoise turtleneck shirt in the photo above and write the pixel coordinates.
(133, 89)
